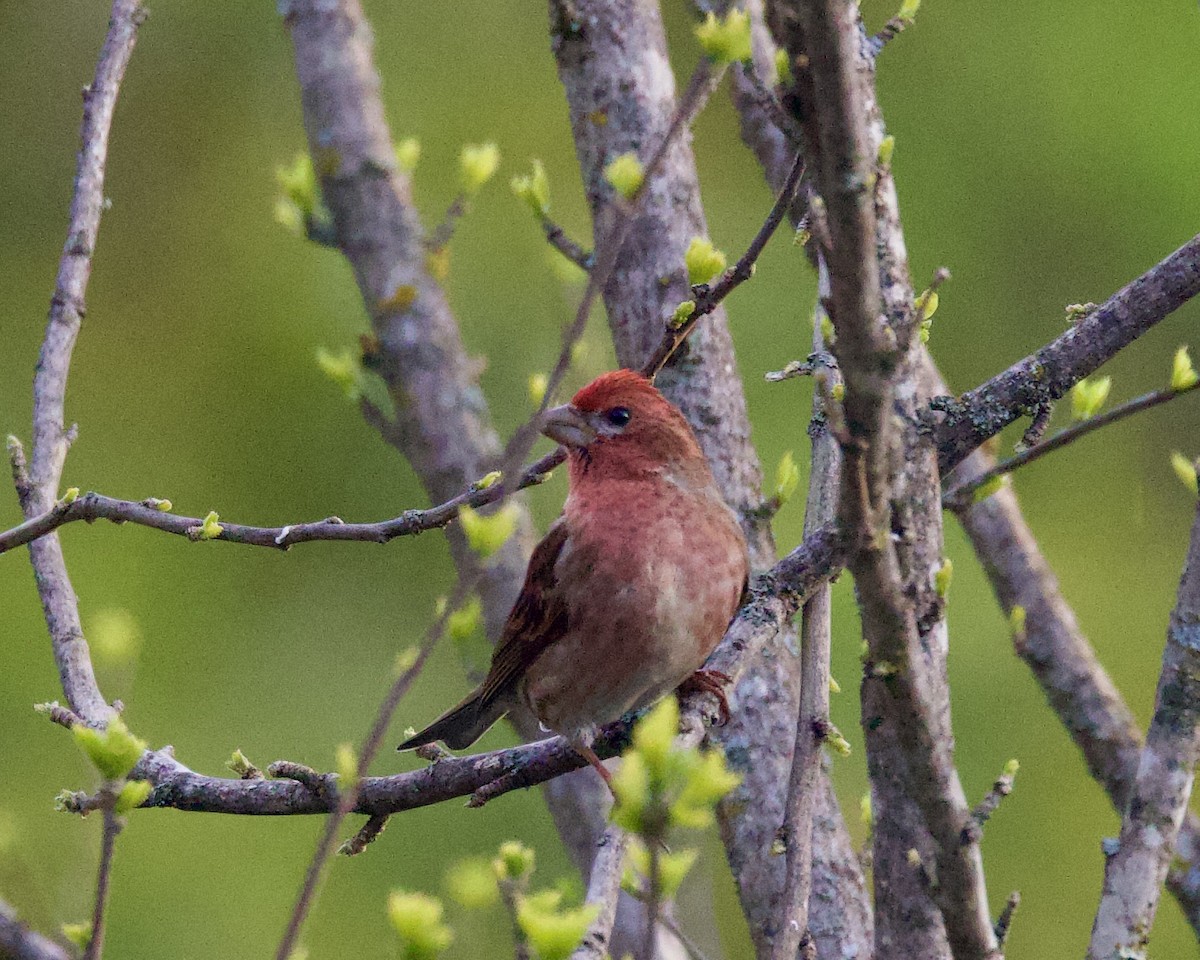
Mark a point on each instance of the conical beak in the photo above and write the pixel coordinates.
(568, 426)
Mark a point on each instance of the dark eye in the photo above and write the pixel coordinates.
(618, 416)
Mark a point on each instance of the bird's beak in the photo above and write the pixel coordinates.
(568, 426)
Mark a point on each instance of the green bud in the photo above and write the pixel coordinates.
(838, 392)
(673, 867)
(783, 68)
(626, 174)
(703, 260)
(487, 534)
(472, 883)
(114, 635)
(465, 621)
(69, 497)
(787, 478)
(346, 763)
(1183, 374)
(417, 920)
(538, 382)
(1088, 396)
(834, 686)
(984, 491)
(240, 764)
(1016, 621)
(1185, 470)
(828, 332)
(162, 506)
(1011, 768)
(836, 742)
(725, 40)
(534, 189)
(133, 795)
(654, 735)
(707, 782)
(408, 154)
(477, 165)
(887, 146)
(515, 861)
(682, 313)
(908, 10)
(209, 528)
(488, 480)
(914, 858)
(298, 188)
(943, 576)
(631, 790)
(554, 933)
(343, 368)
(79, 934)
(406, 659)
(865, 813)
(114, 751)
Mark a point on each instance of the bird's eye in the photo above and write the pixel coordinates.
(619, 416)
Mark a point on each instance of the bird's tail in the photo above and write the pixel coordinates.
(460, 726)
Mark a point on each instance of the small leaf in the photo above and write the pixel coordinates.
(477, 165)
(344, 369)
(133, 795)
(1088, 396)
(515, 861)
(487, 534)
(554, 933)
(725, 40)
(534, 189)
(943, 576)
(472, 883)
(654, 735)
(1183, 374)
(114, 751)
(783, 68)
(346, 764)
(908, 10)
(538, 382)
(70, 496)
(626, 174)
(114, 635)
(887, 147)
(1016, 621)
(682, 313)
(408, 154)
(487, 480)
(1185, 470)
(787, 478)
(984, 491)
(703, 260)
(417, 920)
(462, 624)
(79, 934)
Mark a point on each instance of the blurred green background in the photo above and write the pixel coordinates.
(1046, 153)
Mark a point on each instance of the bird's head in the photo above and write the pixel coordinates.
(620, 424)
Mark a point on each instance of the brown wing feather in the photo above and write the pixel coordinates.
(538, 618)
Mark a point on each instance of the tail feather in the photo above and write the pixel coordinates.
(460, 726)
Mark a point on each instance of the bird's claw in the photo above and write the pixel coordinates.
(713, 682)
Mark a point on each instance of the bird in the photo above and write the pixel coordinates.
(632, 587)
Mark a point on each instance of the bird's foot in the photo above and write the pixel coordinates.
(588, 754)
(710, 681)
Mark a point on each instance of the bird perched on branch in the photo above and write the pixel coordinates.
(632, 587)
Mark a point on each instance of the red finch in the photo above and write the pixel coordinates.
(632, 587)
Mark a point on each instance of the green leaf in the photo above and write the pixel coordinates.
(477, 165)
(534, 189)
(941, 579)
(417, 920)
(465, 621)
(1185, 470)
(515, 861)
(787, 478)
(472, 883)
(487, 534)
(554, 933)
(626, 174)
(1183, 374)
(114, 751)
(408, 154)
(1088, 396)
(725, 40)
(133, 795)
(703, 260)
(343, 368)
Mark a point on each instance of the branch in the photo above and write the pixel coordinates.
(347, 795)
(1134, 874)
(1045, 376)
(18, 942)
(774, 598)
(1047, 637)
(956, 497)
(112, 826)
(813, 719)
(603, 890)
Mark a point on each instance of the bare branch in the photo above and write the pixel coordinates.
(816, 638)
(112, 826)
(1134, 873)
(604, 888)
(347, 795)
(1045, 376)
(956, 497)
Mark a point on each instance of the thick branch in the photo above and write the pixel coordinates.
(604, 889)
(1134, 874)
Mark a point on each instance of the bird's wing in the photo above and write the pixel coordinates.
(538, 618)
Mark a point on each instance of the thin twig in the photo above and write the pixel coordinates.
(112, 826)
(959, 496)
(557, 237)
(708, 297)
(1004, 922)
(348, 793)
(444, 231)
(1001, 788)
